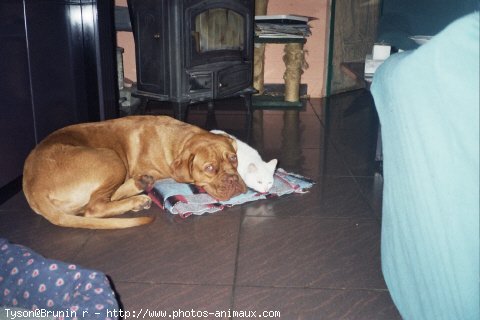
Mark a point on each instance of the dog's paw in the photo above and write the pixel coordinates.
(142, 202)
(145, 182)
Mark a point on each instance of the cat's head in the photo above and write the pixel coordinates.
(259, 176)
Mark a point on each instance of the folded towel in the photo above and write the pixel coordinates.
(186, 199)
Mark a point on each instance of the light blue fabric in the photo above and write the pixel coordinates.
(428, 104)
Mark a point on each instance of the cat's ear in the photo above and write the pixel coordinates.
(272, 163)
(252, 168)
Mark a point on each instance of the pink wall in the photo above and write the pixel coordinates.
(316, 45)
(125, 40)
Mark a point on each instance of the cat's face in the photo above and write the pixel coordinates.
(259, 176)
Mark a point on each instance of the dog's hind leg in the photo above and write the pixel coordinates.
(111, 196)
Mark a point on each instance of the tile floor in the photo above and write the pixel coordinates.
(308, 256)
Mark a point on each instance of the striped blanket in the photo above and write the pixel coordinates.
(187, 199)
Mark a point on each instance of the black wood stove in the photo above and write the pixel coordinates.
(193, 50)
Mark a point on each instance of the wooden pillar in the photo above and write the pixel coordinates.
(294, 59)
(259, 51)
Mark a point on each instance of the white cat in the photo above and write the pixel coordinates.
(256, 173)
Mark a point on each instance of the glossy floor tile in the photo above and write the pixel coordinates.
(314, 255)
(197, 250)
(315, 304)
(181, 301)
(309, 252)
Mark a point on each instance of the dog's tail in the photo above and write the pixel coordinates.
(56, 216)
(62, 219)
(65, 220)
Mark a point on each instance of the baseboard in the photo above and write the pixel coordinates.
(280, 88)
(10, 189)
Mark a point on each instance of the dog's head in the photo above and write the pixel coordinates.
(210, 161)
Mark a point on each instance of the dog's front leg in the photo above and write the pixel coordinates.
(133, 186)
(127, 197)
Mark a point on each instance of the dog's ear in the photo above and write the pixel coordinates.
(182, 167)
(234, 143)
(229, 137)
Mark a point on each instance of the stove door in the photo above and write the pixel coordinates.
(218, 31)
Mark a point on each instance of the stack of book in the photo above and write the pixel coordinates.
(282, 26)
(372, 61)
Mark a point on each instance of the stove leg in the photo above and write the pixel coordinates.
(248, 103)
(211, 122)
(180, 110)
(211, 106)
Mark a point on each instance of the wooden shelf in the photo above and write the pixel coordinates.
(279, 40)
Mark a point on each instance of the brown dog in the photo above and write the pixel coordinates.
(83, 173)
